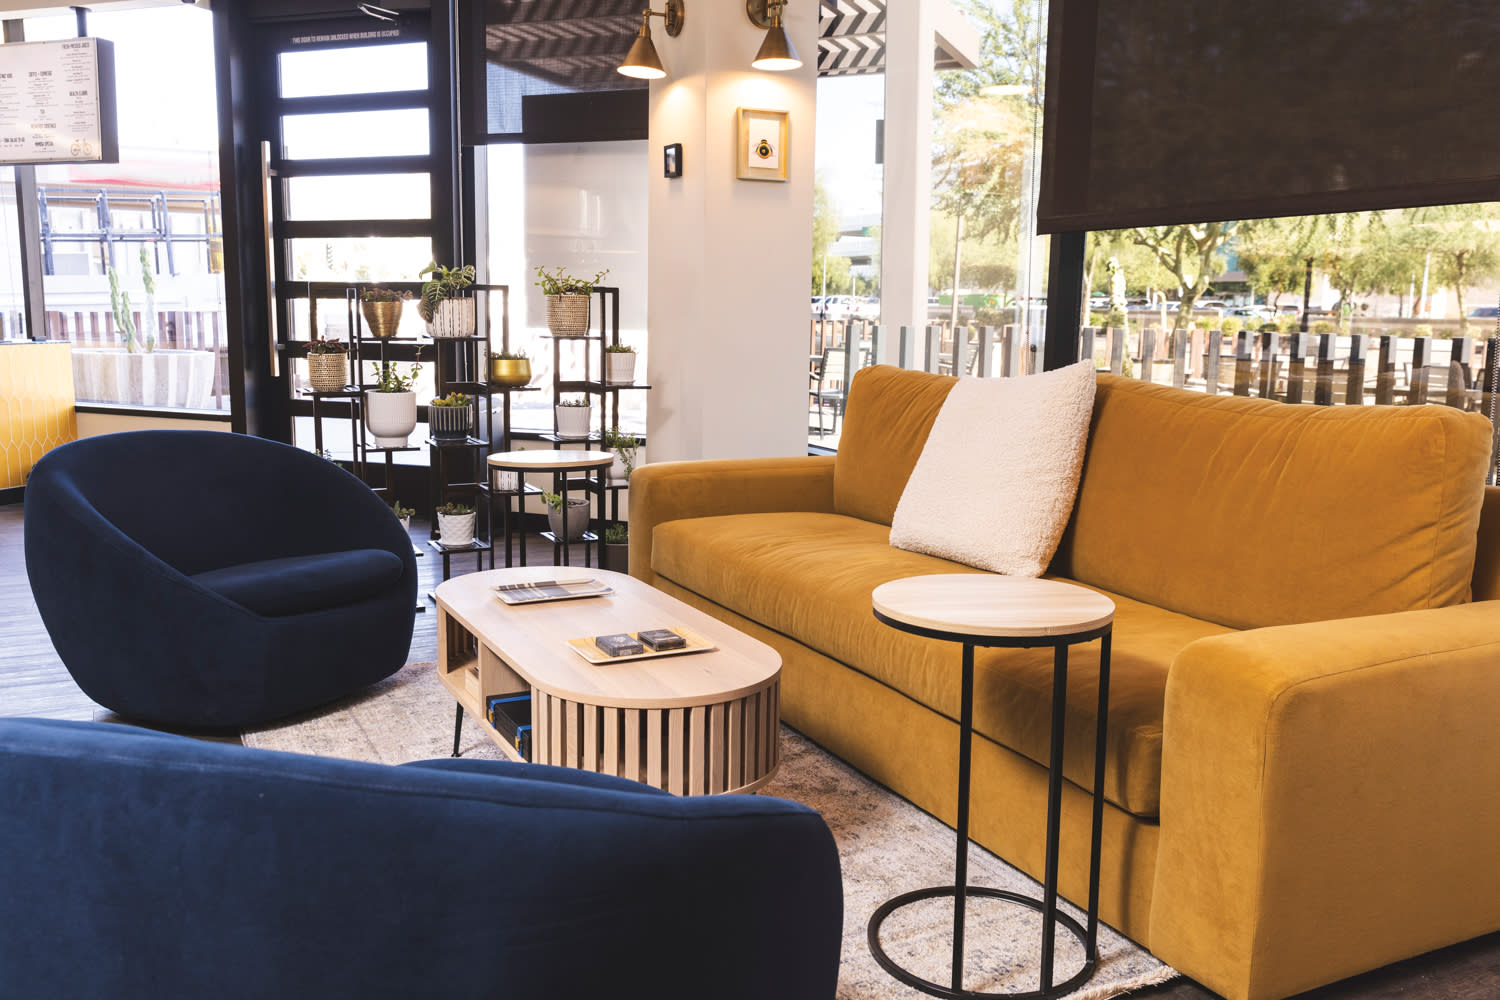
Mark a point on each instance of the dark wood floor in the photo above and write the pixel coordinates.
(34, 682)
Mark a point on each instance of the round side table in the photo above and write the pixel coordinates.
(593, 465)
(987, 610)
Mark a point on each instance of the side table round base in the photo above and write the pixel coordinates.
(1063, 920)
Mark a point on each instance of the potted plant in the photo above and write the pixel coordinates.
(449, 416)
(511, 368)
(391, 406)
(567, 300)
(574, 417)
(382, 309)
(616, 552)
(403, 514)
(619, 364)
(625, 447)
(328, 365)
(448, 313)
(569, 527)
(455, 525)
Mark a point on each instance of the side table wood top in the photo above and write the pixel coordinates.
(545, 459)
(991, 605)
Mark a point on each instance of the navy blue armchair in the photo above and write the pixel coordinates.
(142, 865)
(199, 579)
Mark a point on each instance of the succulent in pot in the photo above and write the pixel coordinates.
(328, 365)
(574, 417)
(448, 312)
(615, 555)
(382, 308)
(619, 364)
(567, 300)
(450, 416)
(510, 367)
(403, 514)
(455, 525)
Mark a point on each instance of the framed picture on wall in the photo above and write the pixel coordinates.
(763, 145)
(671, 160)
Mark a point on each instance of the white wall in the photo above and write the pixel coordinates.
(730, 260)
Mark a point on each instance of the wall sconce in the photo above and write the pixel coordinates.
(642, 61)
(776, 52)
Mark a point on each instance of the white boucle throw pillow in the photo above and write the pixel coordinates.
(995, 483)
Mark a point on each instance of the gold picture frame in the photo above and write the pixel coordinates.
(763, 146)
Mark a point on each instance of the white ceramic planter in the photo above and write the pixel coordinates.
(452, 318)
(617, 467)
(406, 523)
(577, 520)
(391, 417)
(456, 529)
(573, 422)
(619, 367)
(161, 378)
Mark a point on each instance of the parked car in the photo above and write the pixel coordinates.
(837, 308)
(1484, 312)
(817, 306)
(866, 309)
(1250, 312)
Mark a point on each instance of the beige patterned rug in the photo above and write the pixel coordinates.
(886, 846)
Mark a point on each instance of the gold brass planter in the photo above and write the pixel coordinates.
(510, 371)
(382, 317)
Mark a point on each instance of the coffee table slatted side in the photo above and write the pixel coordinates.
(707, 723)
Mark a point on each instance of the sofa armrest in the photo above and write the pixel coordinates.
(1330, 798)
(670, 491)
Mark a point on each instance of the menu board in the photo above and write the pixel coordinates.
(57, 102)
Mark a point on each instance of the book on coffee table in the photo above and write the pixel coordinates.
(536, 591)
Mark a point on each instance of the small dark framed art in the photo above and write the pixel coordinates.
(671, 160)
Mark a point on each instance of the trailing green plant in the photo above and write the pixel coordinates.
(554, 500)
(119, 303)
(384, 295)
(559, 282)
(619, 349)
(624, 445)
(400, 511)
(512, 355)
(454, 508)
(320, 346)
(445, 283)
(454, 399)
(579, 401)
(617, 533)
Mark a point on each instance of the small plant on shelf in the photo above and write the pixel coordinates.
(455, 509)
(327, 365)
(390, 378)
(455, 524)
(445, 284)
(403, 514)
(453, 399)
(383, 295)
(558, 281)
(573, 418)
(449, 416)
(619, 364)
(615, 555)
(618, 533)
(625, 447)
(576, 401)
(510, 367)
(567, 300)
(569, 527)
(391, 405)
(515, 355)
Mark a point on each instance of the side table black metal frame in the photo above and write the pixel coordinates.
(960, 890)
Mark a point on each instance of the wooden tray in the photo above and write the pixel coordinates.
(696, 643)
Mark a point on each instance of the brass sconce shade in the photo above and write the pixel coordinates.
(641, 61)
(776, 51)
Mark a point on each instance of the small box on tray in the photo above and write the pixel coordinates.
(659, 639)
(619, 644)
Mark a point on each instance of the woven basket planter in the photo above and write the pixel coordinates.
(568, 315)
(453, 318)
(449, 423)
(328, 372)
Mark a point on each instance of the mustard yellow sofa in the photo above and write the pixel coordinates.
(1303, 776)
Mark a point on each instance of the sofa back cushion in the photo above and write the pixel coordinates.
(887, 415)
(1249, 512)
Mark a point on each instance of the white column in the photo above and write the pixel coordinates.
(730, 260)
(909, 45)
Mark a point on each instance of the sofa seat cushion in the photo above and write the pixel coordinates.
(299, 584)
(810, 576)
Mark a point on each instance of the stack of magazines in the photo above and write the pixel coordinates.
(550, 590)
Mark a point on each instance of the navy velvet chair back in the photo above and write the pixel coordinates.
(139, 865)
(117, 525)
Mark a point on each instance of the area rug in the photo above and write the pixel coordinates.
(886, 846)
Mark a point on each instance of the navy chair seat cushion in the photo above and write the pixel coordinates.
(299, 584)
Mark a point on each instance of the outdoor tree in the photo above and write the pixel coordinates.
(1274, 254)
(1190, 254)
(830, 273)
(1012, 43)
(1464, 241)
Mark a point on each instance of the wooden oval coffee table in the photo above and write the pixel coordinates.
(693, 724)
